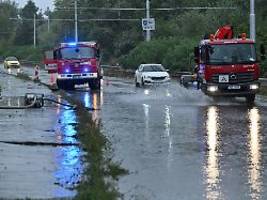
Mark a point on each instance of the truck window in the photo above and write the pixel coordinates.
(77, 52)
(232, 54)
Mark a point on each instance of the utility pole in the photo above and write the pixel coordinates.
(148, 32)
(34, 31)
(252, 20)
(48, 24)
(76, 22)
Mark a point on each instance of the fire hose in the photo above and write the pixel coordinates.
(33, 100)
(60, 103)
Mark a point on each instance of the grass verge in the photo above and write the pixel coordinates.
(101, 173)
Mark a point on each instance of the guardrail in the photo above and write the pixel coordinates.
(263, 81)
(32, 63)
(119, 71)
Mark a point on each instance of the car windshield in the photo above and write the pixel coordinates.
(153, 68)
(77, 53)
(232, 54)
(11, 59)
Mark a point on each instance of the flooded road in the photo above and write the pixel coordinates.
(179, 144)
(39, 155)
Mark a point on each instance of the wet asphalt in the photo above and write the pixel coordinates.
(37, 158)
(179, 144)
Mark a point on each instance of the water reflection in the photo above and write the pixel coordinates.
(255, 166)
(93, 101)
(146, 112)
(68, 158)
(167, 125)
(146, 92)
(212, 166)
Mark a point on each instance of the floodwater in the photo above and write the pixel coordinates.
(179, 144)
(40, 157)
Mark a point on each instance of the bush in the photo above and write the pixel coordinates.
(22, 53)
(172, 53)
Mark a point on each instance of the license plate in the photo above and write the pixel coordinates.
(234, 87)
(223, 78)
(76, 76)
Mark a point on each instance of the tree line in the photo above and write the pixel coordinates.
(123, 42)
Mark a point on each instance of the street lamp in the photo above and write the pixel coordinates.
(148, 33)
(76, 22)
(252, 20)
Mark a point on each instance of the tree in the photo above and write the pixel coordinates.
(24, 33)
(7, 10)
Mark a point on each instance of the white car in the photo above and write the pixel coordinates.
(151, 73)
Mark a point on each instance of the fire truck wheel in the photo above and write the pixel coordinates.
(250, 98)
(69, 86)
(94, 84)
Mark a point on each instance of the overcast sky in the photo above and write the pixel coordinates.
(41, 4)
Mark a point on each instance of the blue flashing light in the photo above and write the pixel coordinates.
(67, 70)
(86, 70)
(72, 44)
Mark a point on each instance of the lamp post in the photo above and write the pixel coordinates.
(76, 22)
(148, 32)
(34, 31)
(252, 20)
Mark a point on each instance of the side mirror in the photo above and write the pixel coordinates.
(167, 70)
(196, 54)
(97, 53)
(207, 51)
(262, 51)
(56, 55)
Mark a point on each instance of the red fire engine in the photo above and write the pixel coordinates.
(75, 63)
(228, 66)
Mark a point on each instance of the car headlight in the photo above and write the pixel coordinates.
(212, 88)
(254, 86)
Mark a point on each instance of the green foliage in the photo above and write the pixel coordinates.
(22, 52)
(171, 52)
(8, 10)
(24, 33)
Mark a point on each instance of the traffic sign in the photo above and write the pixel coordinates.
(148, 24)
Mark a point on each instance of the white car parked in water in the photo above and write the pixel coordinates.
(151, 73)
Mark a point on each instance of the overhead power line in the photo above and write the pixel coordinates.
(143, 9)
(72, 20)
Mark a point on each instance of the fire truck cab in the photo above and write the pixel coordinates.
(228, 66)
(75, 63)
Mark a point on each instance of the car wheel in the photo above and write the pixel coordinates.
(136, 83)
(250, 99)
(95, 84)
(142, 82)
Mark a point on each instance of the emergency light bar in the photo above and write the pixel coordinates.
(73, 44)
